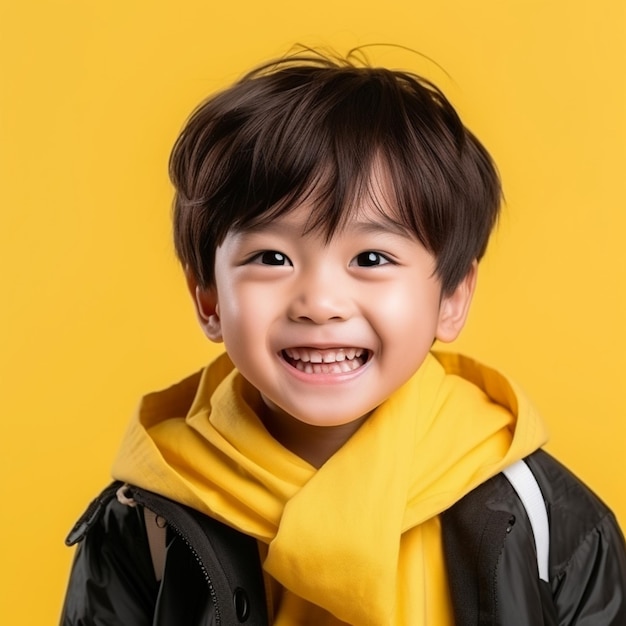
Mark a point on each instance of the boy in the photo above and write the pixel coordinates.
(331, 469)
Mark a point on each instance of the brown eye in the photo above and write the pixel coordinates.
(370, 259)
(272, 257)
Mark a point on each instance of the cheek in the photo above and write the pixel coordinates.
(245, 318)
(412, 309)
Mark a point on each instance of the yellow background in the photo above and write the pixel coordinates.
(93, 310)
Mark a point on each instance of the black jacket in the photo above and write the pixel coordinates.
(212, 573)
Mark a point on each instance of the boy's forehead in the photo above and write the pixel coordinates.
(367, 216)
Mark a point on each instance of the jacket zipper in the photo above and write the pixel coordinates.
(138, 496)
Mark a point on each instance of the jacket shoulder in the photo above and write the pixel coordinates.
(211, 574)
(491, 556)
(100, 506)
(587, 549)
(575, 511)
(112, 579)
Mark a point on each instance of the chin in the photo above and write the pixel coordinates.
(332, 420)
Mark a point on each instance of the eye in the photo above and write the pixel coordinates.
(370, 259)
(271, 257)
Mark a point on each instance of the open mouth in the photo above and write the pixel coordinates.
(326, 361)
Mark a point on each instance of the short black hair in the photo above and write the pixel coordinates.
(312, 127)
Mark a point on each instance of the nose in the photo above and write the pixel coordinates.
(319, 298)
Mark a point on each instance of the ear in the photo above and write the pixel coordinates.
(207, 307)
(455, 306)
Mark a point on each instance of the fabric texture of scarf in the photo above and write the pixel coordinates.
(356, 541)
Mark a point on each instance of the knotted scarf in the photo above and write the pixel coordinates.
(356, 541)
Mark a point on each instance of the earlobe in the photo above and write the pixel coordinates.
(454, 307)
(208, 313)
(207, 307)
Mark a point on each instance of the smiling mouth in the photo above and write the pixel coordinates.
(327, 361)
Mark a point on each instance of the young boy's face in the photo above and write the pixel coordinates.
(326, 331)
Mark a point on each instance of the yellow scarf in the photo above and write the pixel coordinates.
(358, 538)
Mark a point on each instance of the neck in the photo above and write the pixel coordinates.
(314, 444)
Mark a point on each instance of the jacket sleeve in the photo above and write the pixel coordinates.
(590, 590)
(112, 580)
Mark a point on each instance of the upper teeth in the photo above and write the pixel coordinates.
(323, 356)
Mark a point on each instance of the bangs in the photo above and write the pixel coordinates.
(325, 156)
(335, 199)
